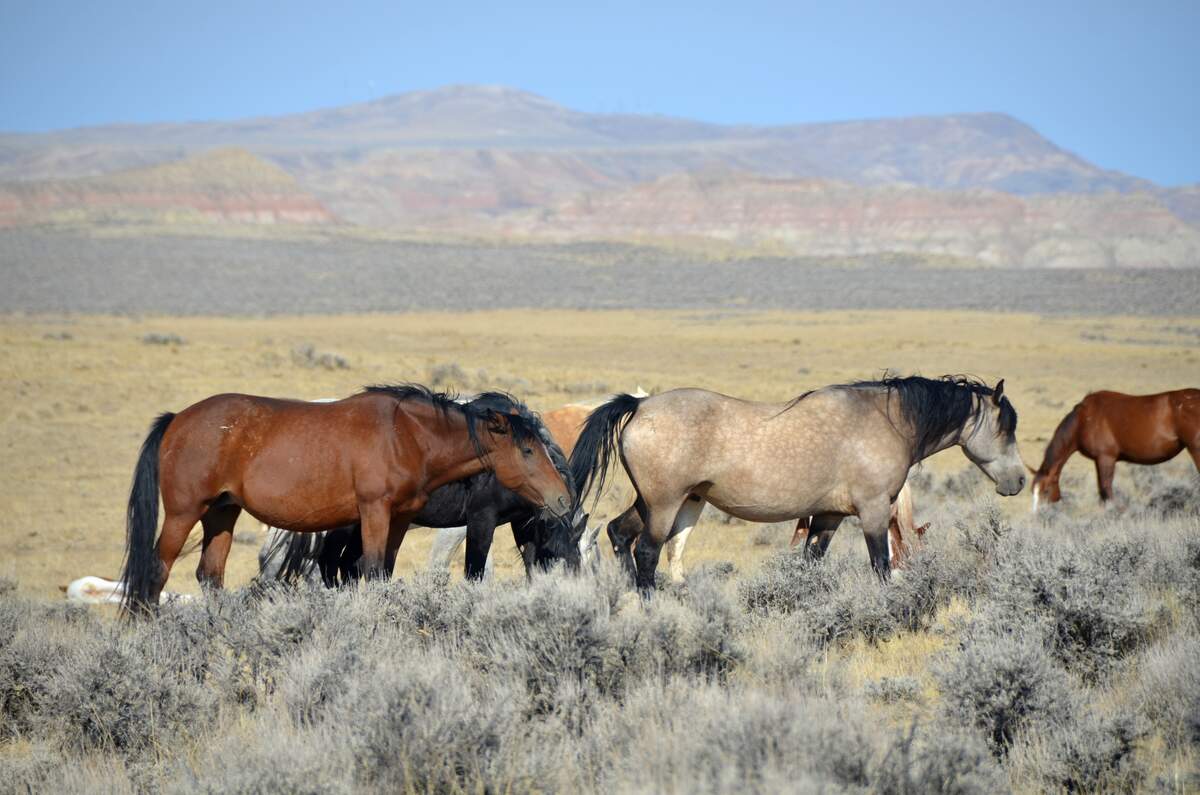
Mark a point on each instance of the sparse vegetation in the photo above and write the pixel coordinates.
(1027, 656)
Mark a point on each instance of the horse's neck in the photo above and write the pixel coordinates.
(451, 454)
(1063, 445)
(891, 409)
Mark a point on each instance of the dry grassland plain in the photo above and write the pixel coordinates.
(77, 394)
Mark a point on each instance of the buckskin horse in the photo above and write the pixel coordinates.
(1108, 427)
(373, 458)
(830, 453)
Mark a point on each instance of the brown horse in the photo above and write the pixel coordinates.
(372, 458)
(1108, 427)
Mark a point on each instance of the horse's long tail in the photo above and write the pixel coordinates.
(290, 557)
(597, 444)
(142, 567)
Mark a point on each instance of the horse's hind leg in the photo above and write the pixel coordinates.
(218, 537)
(175, 530)
(660, 525)
(820, 530)
(623, 531)
(677, 542)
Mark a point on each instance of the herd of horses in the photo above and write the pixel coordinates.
(343, 480)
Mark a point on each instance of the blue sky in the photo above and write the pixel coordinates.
(1114, 82)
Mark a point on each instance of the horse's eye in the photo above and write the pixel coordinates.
(527, 450)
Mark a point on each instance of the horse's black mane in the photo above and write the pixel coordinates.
(523, 423)
(506, 403)
(935, 407)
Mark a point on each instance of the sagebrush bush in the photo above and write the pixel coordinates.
(125, 692)
(1168, 687)
(941, 759)
(1001, 681)
(1087, 601)
(1090, 752)
(1065, 662)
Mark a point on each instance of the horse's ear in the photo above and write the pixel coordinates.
(998, 392)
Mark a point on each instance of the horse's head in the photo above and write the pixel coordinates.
(991, 442)
(1045, 489)
(546, 542)
(522, 464)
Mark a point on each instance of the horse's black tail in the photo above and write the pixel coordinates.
(597, 444)
(290, 557)
(142, 567)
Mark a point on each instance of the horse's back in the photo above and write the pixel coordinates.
(759, 461)
(1138, 428)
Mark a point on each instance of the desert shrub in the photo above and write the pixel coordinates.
(840, 597)
(156, 338)
(308, 356)
(1087, 601)
(541, 636)
(423, 726)
(29, 658)
(780, 656)
(274, 758)
(1168, 687)
(321, 673)
(999, 682)
(701, 737)
(447, 374)
(983, 529)
(893, 689)
(42, 767)
(941, 759)
(122, 691)
(428, 608)
(1090, 752)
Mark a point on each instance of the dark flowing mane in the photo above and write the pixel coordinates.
(504, 403)
(1062, 444)
(936, 407)
(497, 408)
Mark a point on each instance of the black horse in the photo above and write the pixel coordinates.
(478, 502)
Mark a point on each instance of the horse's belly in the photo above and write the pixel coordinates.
(298, 496)
(775, 505)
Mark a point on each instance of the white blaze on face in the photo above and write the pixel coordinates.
(1037, 489)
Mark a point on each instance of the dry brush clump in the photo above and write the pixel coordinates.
(1050, 654)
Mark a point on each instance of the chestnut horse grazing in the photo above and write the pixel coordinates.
(372, 458)
(1108, 427)
(833, 452)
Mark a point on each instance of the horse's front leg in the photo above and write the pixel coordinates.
(875, 517)
(376, 521)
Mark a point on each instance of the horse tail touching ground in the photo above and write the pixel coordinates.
(143, 569)
(597, 443)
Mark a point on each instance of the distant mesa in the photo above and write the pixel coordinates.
(224, 186)
(491, 161)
